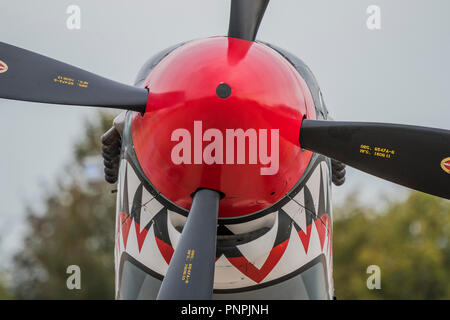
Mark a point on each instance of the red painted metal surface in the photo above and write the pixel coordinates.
(266, 93)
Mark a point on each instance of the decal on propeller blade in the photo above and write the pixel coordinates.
(188, 266)
(70, 81)
(3, 67)
(445, 164)
(376, 151)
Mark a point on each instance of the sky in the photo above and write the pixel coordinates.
(399, 73)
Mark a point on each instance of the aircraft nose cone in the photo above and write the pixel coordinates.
(223, 114)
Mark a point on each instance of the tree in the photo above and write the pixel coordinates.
(409, 241)
(4, 294)
(77, 228)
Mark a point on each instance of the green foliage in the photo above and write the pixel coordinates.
(4, 294)
(409, 241)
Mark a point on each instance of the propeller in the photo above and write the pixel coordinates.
(245, 18)
(28, 76)
(411, 156)
(415, 157)
(191, 270)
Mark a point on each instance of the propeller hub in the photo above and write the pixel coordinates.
(224, 114)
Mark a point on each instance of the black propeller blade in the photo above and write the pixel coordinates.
(245, 18)
(29, 76)
(408, 155)
(191, 271)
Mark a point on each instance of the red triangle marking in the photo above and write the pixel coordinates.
(257, 275)
(140, 235)
(305, 237)
(165, 249)
(321, 230)
(323, 227)
(125, 222)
